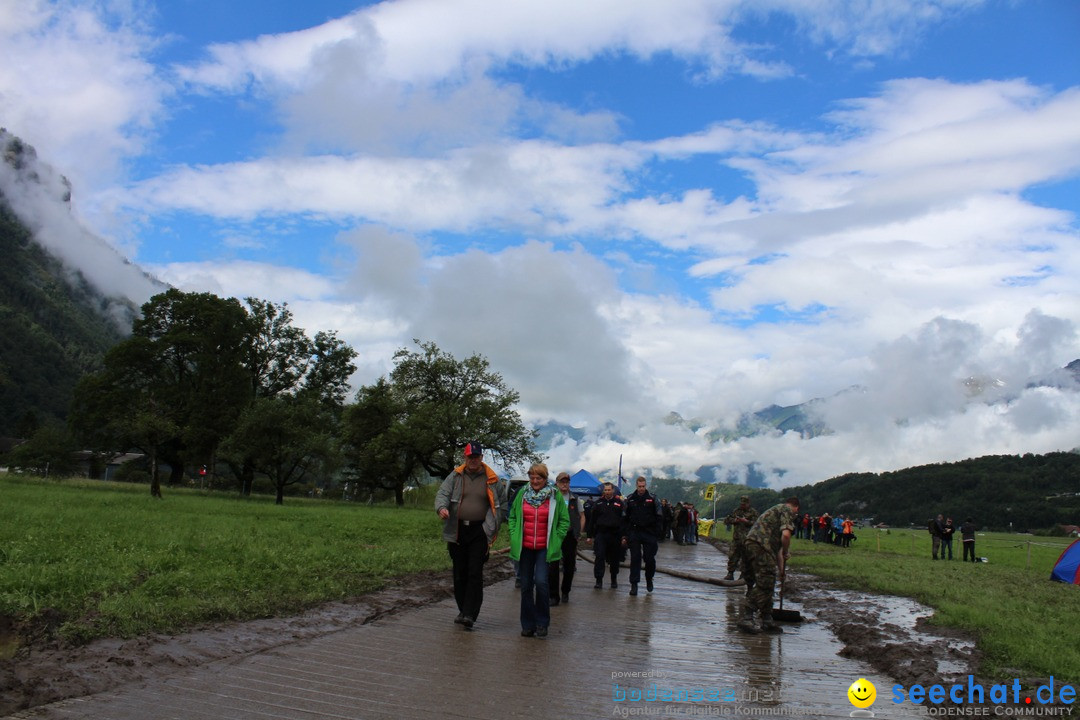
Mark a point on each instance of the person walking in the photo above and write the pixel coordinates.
(643, 523)
(605, 535)
(668, 515)
(767, 550)
(468, 503)
(568, 564)
(741, 519)
(847, 528)
(682, 514)
(539, 521)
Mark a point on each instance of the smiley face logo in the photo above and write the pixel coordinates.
(862, 693)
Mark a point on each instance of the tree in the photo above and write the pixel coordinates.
(289, 438)
(175, 388)
(178, 386)
(422, 416)
(49, 451)
(377, 456)
(280, 360)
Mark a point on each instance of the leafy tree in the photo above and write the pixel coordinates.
(49, 451)
(173, 389)
(280, 360)
(422, 416)
(178, 386)
(289, 438)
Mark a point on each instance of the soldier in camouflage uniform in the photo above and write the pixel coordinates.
(766, 553)
(741, 518)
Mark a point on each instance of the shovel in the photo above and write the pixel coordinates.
(781, 614)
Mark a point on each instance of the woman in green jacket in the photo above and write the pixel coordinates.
(539, 520)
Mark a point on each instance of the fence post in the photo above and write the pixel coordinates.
(1028, 565)
(878, 536)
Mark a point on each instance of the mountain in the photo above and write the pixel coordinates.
(999, 492)
(56, 323)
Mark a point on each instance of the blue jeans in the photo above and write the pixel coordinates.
(535, 600)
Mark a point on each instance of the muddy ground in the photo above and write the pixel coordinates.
(888, 633)
(45, 670)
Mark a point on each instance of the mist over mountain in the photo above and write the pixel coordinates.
(802, 423)
(66, 296)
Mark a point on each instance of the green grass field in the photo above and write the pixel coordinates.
(108, 560)
(105, 559)
(1025, 623)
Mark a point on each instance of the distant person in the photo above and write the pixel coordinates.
(539, 521)
(741, 518)
(568, 564)
(824, 523)
(967, 537)
(643, 522)
(669, 517)
(605, 535)
(692, 530)
(807, 524)
(847, 529)
(767, 551)
(937, 528)
(838, 529)
(681, 520)
(947, 531)
(468, 503)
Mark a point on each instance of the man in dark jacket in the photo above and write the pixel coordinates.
(605, 534)
(937, 531)
(967, 535)
(643, 522)
(568, 563)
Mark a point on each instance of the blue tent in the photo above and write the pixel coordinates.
(584, 482)
(1067, 567)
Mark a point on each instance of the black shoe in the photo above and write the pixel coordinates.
(633, 588)
(553, 601)
(648, 584)
(730, 576)
(517, 582)
(541, 632)
(599, 585)
(566, 597)
(614, 585)
(528, 633)
(460, 618)
(467, 622)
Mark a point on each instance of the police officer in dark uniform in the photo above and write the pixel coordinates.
(643, 523)
(605, 533)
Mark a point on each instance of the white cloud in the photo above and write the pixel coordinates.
(76, 83)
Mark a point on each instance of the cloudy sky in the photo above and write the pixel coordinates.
(629, 207)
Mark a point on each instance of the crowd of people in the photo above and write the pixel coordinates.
(546, 522)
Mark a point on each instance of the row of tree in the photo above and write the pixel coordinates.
(210, 382)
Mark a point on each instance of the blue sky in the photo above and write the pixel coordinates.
(705, 206)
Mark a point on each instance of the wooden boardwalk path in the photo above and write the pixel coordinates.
(604, 649)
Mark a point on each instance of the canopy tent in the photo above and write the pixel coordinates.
(584, 482)
(1067, 567)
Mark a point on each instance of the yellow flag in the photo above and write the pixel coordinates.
(709, 491)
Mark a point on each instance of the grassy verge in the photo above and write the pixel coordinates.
(104, 559)
(1025, 623)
